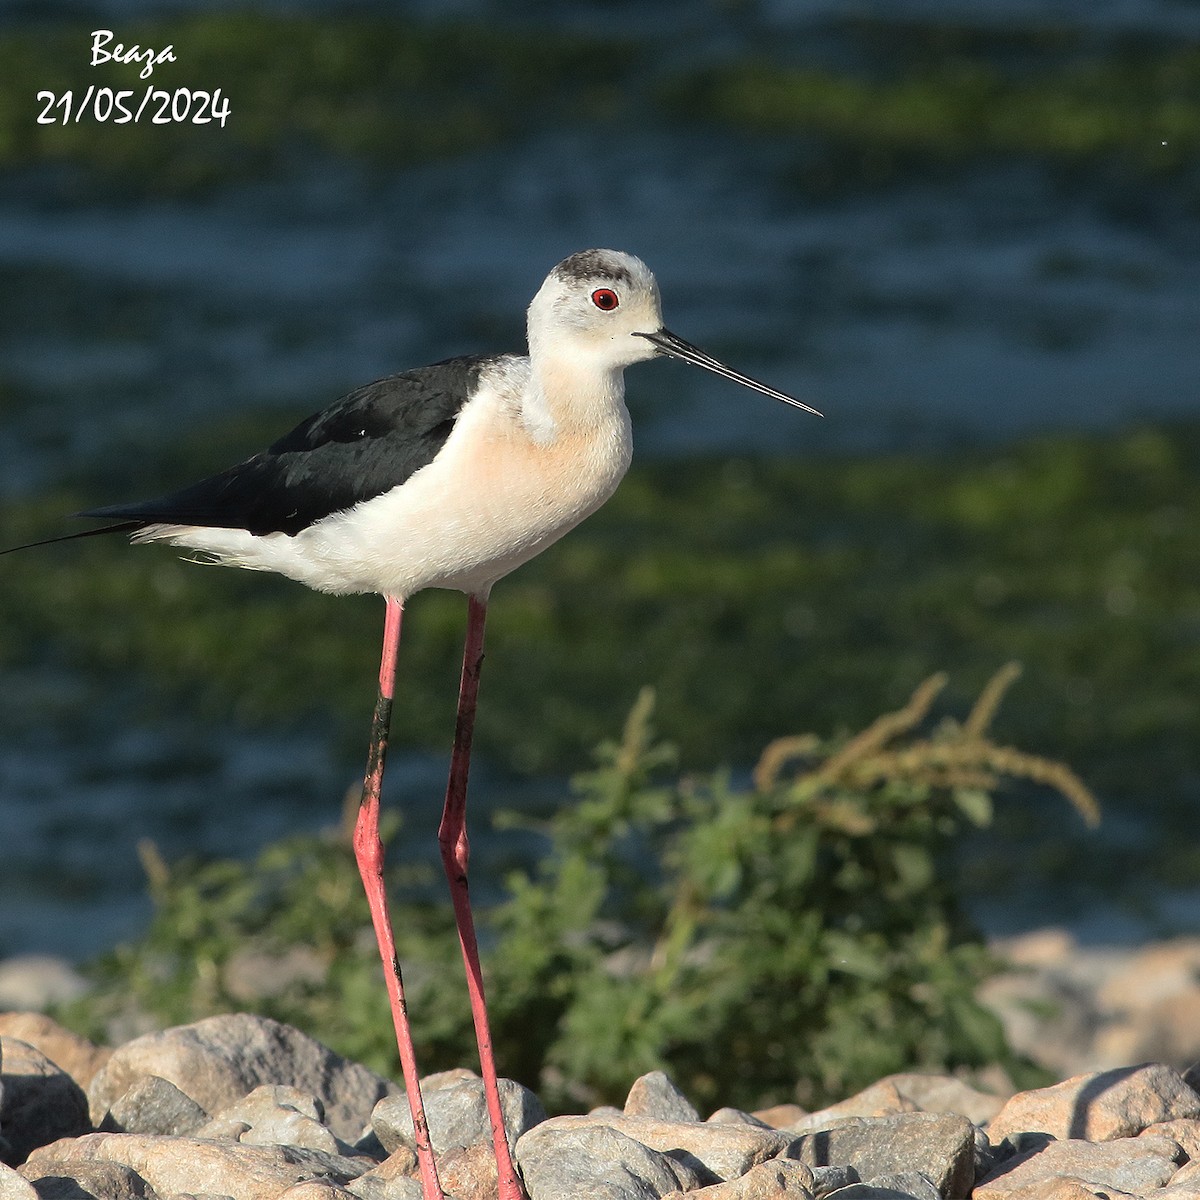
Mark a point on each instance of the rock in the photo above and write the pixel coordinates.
(829, 1179)
(903, 1093)
(721, 1151)
(938, 1145)
(32, 982)
(595, 1162)
(99, 1180)
(275, 1115)
(1100, 1106)
(221, 1059)
(1129, 1164)
(1185, 1134)
(40, 1101)
(14, 1186)
(1062, 1187)
(882, 1099)
(780, 1116)
(77, 1056)
(153, 1105)
(251, 976)
(457, 1112)
(365, 1187)
(945, 1094)
(184, 1164)
(904, 1185)
(735, 1116)
(1184, 1185)
(314, 1189)
(779, 1179)
(1075, 1008)
(655, 1095)
(469, 1172)
(392, 1179)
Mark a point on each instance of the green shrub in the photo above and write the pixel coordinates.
(796, 936)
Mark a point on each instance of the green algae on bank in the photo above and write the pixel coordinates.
(756, 596)
(394, 92)
(1144, 109)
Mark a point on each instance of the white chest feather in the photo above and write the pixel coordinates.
(517, 472)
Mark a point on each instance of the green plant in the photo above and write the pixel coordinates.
(795, 937)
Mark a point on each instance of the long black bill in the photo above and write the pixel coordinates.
(676, 347)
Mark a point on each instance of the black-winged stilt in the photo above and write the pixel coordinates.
(447, 476)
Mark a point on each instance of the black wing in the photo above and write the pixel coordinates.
(364, 445)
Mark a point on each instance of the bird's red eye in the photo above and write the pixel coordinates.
(605, 298)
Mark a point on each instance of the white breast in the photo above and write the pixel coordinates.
(502, 488)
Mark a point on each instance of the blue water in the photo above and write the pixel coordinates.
(977, 306)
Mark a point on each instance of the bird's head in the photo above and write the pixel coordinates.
(602, 306)
(594, 304)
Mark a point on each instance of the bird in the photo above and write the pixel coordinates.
(447, 476)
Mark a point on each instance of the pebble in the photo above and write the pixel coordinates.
(74, 1054)
(219, 1060)
(195, 1165)
(655, 1095)
(456, 1112)
(721, 1152)
(1101, 1105)
(243, 1108)
(1136, 1165)
(153, 1105)
(940, 1146)
(1073, 1008)
(596, 1162)
(902, 1185)
(39, 1103)
(32, 982)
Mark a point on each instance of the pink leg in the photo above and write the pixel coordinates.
(368, 851)
(452, 837)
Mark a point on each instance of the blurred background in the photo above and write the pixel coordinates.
(969, 233)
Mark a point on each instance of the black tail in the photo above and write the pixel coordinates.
(123, 527)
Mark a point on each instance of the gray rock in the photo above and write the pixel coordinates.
(655, 1095)
(77, 1056)
(779, 1179)
(393, 1179)
(938, 1145)
(714, 1152)
(595, 1162)
(315, 1189)
(457, 1112)
(276, 1115)
(368, 1188)
(14, 1187)
(221, 1059)
(903, 1185)
(99, 1180)
(1128, 1164)
(40, 1103)
(986, 1155)
(735, 1116)
(172, 1165)
(153, 1105)
(32, 982)
(946, 1093)
(830, 1179)
(1099, 1106)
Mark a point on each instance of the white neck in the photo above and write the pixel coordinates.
(570, 394)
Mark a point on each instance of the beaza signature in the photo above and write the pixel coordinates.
(149, 57)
